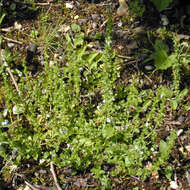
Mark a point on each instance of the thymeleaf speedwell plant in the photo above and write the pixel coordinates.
(76, 115)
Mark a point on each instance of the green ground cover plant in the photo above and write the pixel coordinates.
(76, 115)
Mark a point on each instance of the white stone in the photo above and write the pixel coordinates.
(173, 185)
(149, 67)
(69, 6)
(164, 20)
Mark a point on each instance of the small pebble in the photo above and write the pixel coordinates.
(10, 45)
(82, 21)
(181, 118)
(32, 48)
(69, 6)
(187, 148)
(179, 132)
(15, 108)
(5, 111)
(164, 20)
(26, 188)
(95, 16)
(17, 25)
(120, 24)
(51, 63)
(149, 67)
(94, 25)
(43, 172)
(76, 17)
(173, 185)
(36, 174)
(18, 109)
(42, 161)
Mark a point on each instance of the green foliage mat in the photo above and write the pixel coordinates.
(57, 116)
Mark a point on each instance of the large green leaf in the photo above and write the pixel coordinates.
(163, 61)
(161, 4)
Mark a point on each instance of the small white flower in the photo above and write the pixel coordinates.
(108, 120)
(47, 115)
(136, 147)
(20, 74)
(5, 122)
(81, 69)
(126, 126)
(61, 131)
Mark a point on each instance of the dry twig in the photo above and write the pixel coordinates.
(11, 40)
(188, 178)
(54, 176)
(14, 82)
(8, 29)
(124, 57)
(30, 186)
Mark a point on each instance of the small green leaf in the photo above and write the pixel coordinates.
(163, 61)
(160, 45)
(2, 17)
(127, 162)
(166, 92)
(168, 172)
(187, 107)
(13, 6)
(75, 28)
(92, 56)
(2, 149)
(163, 148)
(183, 93)
(79, 39)
(174, 104)
(108, 132)
(146, 104)
(68, 38)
